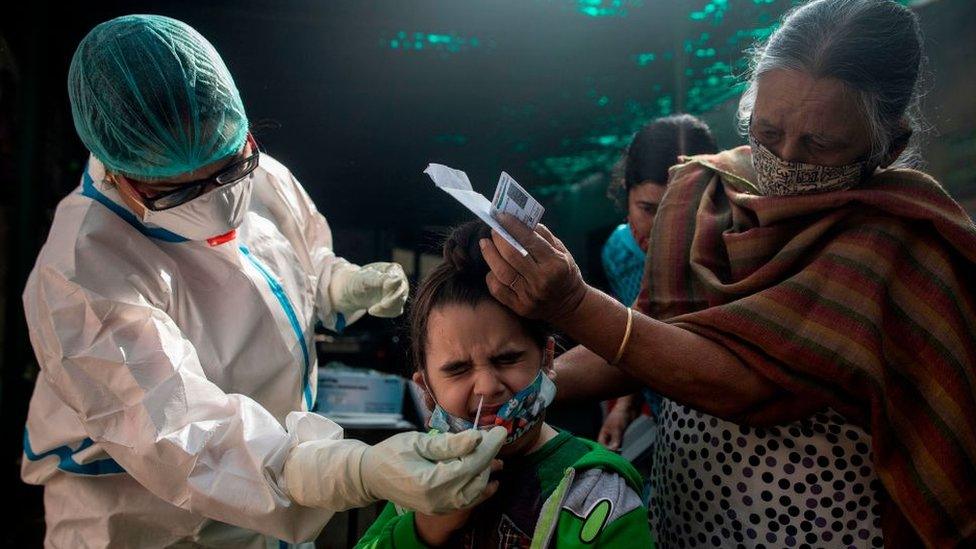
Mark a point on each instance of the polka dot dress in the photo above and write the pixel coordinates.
(806, 484)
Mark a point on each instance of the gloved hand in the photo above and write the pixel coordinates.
(380, 288)
(423, 472)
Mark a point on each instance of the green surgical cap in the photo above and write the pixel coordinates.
(152, 99)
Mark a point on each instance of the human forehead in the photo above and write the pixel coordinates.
(460, 331)
(797, 103)
(648, 192)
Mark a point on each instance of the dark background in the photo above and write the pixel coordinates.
(357, 96)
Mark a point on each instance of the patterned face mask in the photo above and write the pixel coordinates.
(522, 411)
(778, 177)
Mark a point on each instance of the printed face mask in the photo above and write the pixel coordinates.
(777, 177)
(518, 415)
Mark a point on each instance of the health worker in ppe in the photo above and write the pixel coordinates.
(172, 313)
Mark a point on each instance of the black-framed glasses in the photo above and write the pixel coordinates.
(233, 172)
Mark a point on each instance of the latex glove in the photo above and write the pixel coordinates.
(380, 288)
(427, 473)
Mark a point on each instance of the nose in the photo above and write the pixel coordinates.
(487, 382)
(791, 150)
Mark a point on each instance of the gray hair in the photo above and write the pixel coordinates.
(872, 46)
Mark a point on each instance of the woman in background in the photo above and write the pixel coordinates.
(640, 177)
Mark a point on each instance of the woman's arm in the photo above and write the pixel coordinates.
(672, 361)
(583, 375)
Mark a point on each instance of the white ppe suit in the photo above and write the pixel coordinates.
(176, 375)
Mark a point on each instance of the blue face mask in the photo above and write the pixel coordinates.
(518, 415)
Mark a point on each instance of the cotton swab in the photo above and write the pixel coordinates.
(477, 416)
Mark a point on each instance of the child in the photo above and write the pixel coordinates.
(471, 354)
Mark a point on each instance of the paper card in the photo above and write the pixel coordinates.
(510, 197)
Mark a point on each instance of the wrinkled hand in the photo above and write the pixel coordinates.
(432, 473)
(380, 288)
(616, 423)
(546, 284)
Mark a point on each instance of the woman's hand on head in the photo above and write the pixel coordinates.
(546, 284)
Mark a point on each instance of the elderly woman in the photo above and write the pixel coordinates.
(808, 313)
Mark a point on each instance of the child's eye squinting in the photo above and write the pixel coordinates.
(508, 358)
(455, 368)
(461, 367)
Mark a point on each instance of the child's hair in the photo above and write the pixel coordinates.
(459, 280)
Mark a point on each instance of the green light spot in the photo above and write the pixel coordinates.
(664, 105)
(605, 8)
(394, 44)
(603, 101)
(644, 59)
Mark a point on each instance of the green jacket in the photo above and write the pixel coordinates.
(596, 504)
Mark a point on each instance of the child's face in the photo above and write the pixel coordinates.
(475, 351)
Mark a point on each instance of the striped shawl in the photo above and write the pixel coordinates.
(862, 299)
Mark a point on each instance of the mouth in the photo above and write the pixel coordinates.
(488, 414)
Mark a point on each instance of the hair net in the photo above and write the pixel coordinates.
(152, 99)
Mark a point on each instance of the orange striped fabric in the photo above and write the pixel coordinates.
(863, 299)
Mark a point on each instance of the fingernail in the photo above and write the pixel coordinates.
(482, 243)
